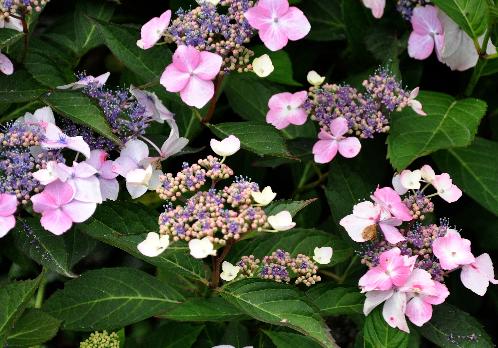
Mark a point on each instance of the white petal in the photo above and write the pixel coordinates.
(264, 197)
(226, 147)
(154, 244)
(263, 66)
(315, 79)
(281, 221)
(323, 255)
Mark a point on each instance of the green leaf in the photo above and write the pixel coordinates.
(33, 328)
(283, 72)
(378, 334)
(292, 207)
(325, 18)
(449, 123)
(204, 309)
(19, 87)
(86, 33)
(248, 96)
(13, 300)
(470, 15)
(336, 300)
(174, 335)
(474, 170)
(9, 37)
(295, 241)
(452, 327)
(122, 41)
(44, 247)
(278, 304)
(79, 108)
(125, 225)
(283, 339)
(260, 138)
(110, 298)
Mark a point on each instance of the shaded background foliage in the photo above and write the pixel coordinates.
(346, 44)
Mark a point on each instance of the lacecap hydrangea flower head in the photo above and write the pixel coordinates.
(408, 259)
(212, 40)
(344, 114)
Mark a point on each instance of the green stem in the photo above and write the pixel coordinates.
(331, 275)
(40, 294)
(474, 79)
(346, 272)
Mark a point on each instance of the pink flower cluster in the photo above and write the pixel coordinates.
(407, 261)
(62, 194)
(342, 112)
(199, 59)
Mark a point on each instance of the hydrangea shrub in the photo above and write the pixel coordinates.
(248, 173)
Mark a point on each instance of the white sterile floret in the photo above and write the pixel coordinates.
(411, 180)
(315, 79)
(225, 147)
(154, 244)
(201, 248)
(264, 197)
(229, 271)
(323, 255)
(263, 66)
(281, 221)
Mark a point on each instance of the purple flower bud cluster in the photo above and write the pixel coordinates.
(419, 204)
(127, 117)
(220, 215)
(280, 267)
(367, 113)
(19, 160)
(192, 178)
(419, 239)
(221, 29)
(405, 7)
(16, 7)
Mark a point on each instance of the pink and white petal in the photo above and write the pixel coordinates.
(6, 224)
(259, 17)
(277, 8)
(398, 187)
(417, 107)
(84, 170)
(394, 311)
(349, 147)
(13, 23)
(277, 118)
(44, 115)
(173, 79)
(79, 145)
(474, 280)
(43, 202)
(123, 165)
(281, 100)
(441, 294)
(425, 20)
(297, 99)
(452, 195)
(109, 188)
(60, 192)
(56, 221)
(97, 158)
(375, 298)
(376, 6)
(8, 204)
(391, 233)
(107, 171)
(355, 226)
(274, 37)
(295, 24)
(155, 181)
(186, 58)
(485, 265)
(6, 65)
(87, 189)
(367, 210)
(79, 211)
(197, 92)
(325, 151)
(150, 33)
(136, 190)
(375, 279)
(418, 311)
(297, 117)
(209, 66)
(465, 56)
(420, 46)
(137, 150)
(339, 126)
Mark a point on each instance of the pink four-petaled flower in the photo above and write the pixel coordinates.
(427, 33)
(452, 250)
(286, 109)
(477, 275)
(152, 31)
(8, 206)
(59, 209)
(191, 74)
(326, 148)
(277, 23)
